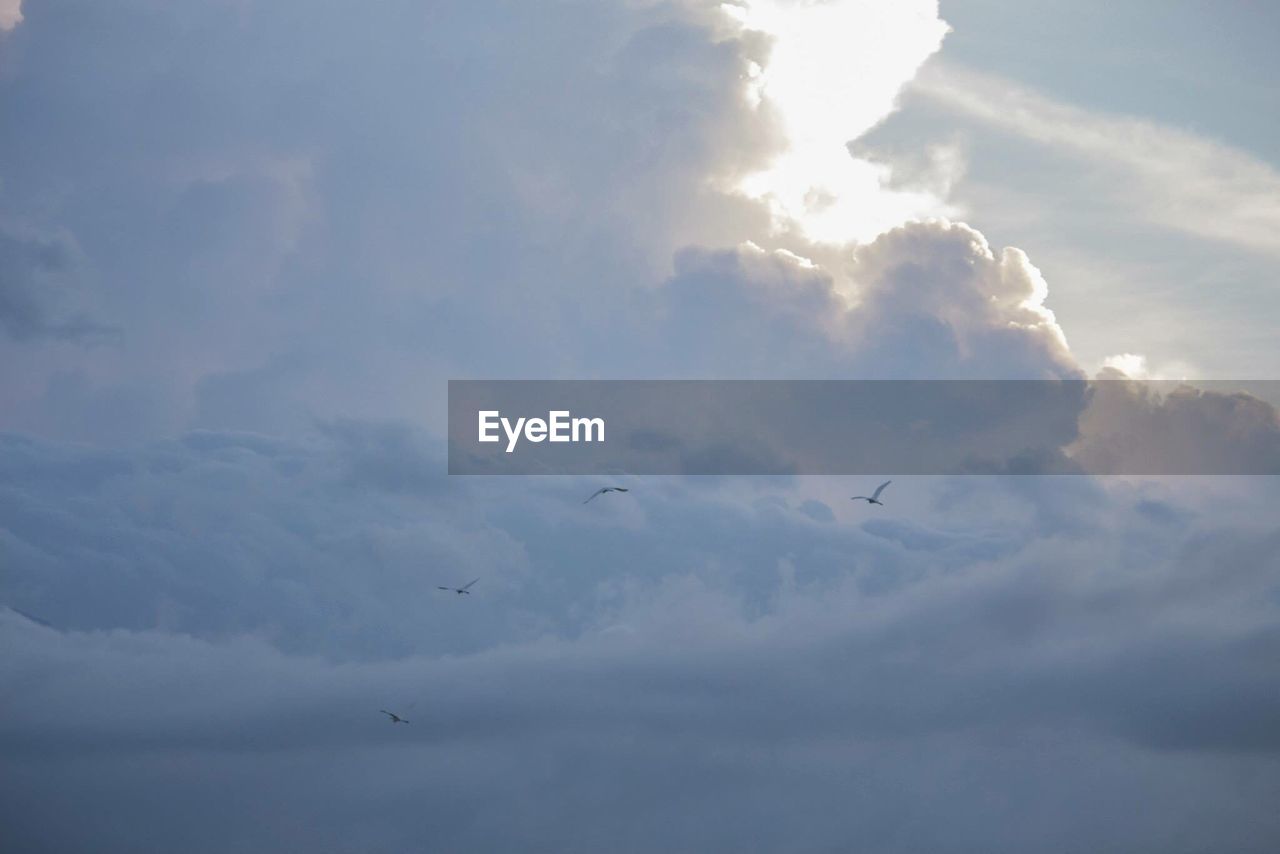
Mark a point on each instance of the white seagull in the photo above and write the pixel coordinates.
(395, 719)
(466, 588)
(602, 490)
(874, 498)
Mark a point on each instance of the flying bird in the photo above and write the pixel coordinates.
(602, 490)
(874, 498)
(466, 588)
(395, 719)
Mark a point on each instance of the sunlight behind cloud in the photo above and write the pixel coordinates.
(834, 71)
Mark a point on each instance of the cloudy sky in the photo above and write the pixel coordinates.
(244, 245)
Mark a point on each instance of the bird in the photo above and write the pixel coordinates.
(461, 590)
(874, 498)
(602, 490)
(395, 719)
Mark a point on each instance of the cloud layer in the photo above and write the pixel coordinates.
(693, 647)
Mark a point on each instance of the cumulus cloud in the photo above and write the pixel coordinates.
(1132, 365)
(1156, 427)
(938, 286)
(925, 300)
(350, 234)
(10, 14)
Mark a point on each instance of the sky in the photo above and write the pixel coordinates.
(244, 245)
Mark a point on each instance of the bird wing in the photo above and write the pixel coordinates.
(880, 489)
(859, 498)
(468, 585)
(619, 489)
(597, 492)
(445, 588)
(385, 712)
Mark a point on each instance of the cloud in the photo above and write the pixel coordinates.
(737, 651)
(925, 300)
(1132, 365)
(302, 232)
(167, 555)
(1174, 178)
(37, 273)
(1157, 427)
(307, 222)
(10, 14)
(940, 303)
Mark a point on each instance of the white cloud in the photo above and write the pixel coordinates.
(1174, 178)
(1132, 365)
(938, 302)
(927, 300)
(10, 14)
(1137, 366)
